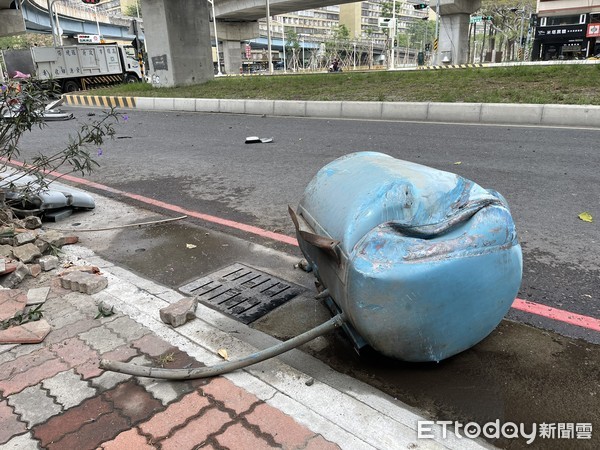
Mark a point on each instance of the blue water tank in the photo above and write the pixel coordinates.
(423, 263)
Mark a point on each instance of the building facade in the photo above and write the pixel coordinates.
(566, 29)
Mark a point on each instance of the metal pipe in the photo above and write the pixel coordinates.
(219, 369)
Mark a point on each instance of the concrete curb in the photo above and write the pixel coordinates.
(480, 113)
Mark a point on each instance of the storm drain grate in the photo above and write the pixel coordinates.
(242, 292)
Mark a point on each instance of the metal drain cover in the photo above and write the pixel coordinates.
(242, 292)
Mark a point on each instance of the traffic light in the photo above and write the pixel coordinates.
(91, 2)
(420, 6)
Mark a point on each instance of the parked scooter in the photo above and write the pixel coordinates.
(335, 66)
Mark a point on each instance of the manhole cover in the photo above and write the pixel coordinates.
(242, 292)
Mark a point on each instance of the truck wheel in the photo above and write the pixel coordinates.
(70, 86)
(131, 78)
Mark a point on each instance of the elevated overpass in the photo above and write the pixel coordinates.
(171, 30)
(178, 31)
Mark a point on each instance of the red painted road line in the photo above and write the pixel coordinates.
(208, 218)
(557, 314)
(522, 305)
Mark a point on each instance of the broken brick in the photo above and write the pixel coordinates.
(84, 282)
(27, 253)
(11, 302)
(180, 312)
(16, 277)
(48, 262)
(28, 333)
(34, 270)
(25, 238)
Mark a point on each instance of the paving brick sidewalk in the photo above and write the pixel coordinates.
(54, 396)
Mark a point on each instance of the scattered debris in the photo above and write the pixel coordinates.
(116, 227)
(310, 382)
(179, 312)
(27, 253)
(190, 246)
(303, 265)
(22, 316)
(48, 262)
(84, 282)
(32, 222)
(222, 352)
(37, 296)
(27, 333)
(458, 163)
(165, 359)
(16, 277)
(73, 268)
(104, 311)
(258, 140)
(53, 203)
(12, 302)
(586, 217)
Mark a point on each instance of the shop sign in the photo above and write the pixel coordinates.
(561, 32)
(593, 30)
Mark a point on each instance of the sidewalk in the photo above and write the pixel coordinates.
(53, 395)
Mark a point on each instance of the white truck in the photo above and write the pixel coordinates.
(76, 67)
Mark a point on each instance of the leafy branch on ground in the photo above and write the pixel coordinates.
(23, 317)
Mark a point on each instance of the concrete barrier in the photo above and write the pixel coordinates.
(260, 107)
(207, 105)
(404, 111)
(571, 115)
(492, 113)
(290, 108)
(184, 104)
(361, 110)
(511, 113)
(164, 104)
(454, 112)
(324, 109)
(232, 106)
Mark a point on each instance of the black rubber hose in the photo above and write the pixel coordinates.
(219, 369)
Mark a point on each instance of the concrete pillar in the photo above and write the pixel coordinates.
(453, 44)
(232, 56)
(453, 41)
(178, 38)
(231, 35)
(11, 22)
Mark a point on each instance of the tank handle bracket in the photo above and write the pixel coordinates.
(324, 243)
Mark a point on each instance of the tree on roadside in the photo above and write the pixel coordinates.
(339, 45)
(22, 107)
(132, 9)
(504, 31)
(24, 41)
(293, 43)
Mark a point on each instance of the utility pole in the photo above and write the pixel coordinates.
(521, 35)
(269, 56)
(394, 30)
(437, 33)
(212, 4)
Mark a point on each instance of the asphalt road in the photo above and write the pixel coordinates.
(200, 162)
